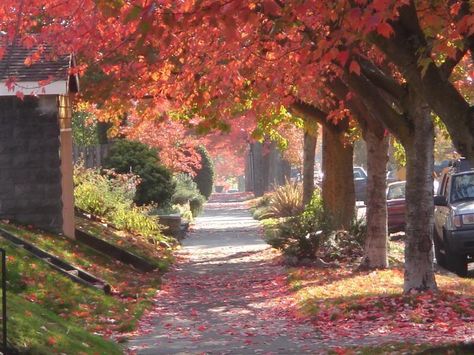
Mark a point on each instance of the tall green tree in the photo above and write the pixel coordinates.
(204, 177)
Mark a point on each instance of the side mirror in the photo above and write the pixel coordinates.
(440, 200)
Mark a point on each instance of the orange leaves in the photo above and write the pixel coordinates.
(384, 29)
(354, 67)
(344, 303)
(271, 7)
(342, 57)
(188, 5)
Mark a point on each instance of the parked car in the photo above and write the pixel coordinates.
(454, 218)
(396, 207)
(360, 184)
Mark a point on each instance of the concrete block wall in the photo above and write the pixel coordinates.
(30, 176)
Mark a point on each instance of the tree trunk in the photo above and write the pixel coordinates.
(249, 171)
(419, 272)
(258, 169)
(338, 181)
(375, 252)
(279, 169)
(309, 153)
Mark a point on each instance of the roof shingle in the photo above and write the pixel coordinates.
(13, 65)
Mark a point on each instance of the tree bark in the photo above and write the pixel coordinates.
(249, 183)
(375, 251)
(419, 271)
(309, 154)
(258, 169)
(279, 170)
(338, 181)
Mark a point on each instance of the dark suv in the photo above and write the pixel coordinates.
(454, 218)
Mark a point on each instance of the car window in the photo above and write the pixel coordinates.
(396, 191)
(357, 174)
(462, 187)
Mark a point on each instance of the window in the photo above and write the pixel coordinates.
(462, 187)
(396, 192)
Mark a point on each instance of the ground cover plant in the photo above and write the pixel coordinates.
(108, 197)
(158, 254)
(107, 315)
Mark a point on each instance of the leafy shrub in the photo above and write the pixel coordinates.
(204, 178)
(84, 129)
(310, 235)
(156, 183)
(100, 194)
(110, 196)
(261, 207)
(302, 235)
(187, 193)
(287, 200)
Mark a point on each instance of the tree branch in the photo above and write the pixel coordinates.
(370, 96)
(403, 49)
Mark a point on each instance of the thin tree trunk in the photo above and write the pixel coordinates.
(419, 272)
(338, 181)
(258, 168)
(309, 153)
(249, 183)
(375, 252)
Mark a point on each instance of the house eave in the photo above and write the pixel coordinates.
(59, 87)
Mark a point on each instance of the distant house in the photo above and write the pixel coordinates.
(36, 170)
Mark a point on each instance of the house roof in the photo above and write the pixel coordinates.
(54, 70)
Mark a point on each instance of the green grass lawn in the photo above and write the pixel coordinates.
(64, 313)
(43, 309)
(34, 329)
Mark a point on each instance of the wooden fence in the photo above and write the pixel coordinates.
(93, 156)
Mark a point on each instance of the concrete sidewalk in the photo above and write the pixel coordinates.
(221, 296)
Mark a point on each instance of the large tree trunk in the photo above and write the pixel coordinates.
(375, 252)
(419, 272)
(338, 182)
(309, 153)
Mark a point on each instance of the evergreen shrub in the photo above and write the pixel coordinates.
(156, 181)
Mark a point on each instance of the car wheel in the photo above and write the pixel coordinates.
(457, 263)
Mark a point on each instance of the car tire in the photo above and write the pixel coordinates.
(440, 257)
(457, 263)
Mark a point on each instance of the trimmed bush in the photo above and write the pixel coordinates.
(156, 186)
(204, 178)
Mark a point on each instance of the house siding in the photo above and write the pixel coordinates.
(30, 175)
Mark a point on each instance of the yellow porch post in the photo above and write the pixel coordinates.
(67, 166)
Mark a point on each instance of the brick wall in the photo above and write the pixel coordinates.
(30, 176)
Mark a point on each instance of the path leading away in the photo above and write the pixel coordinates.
(222, 297)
